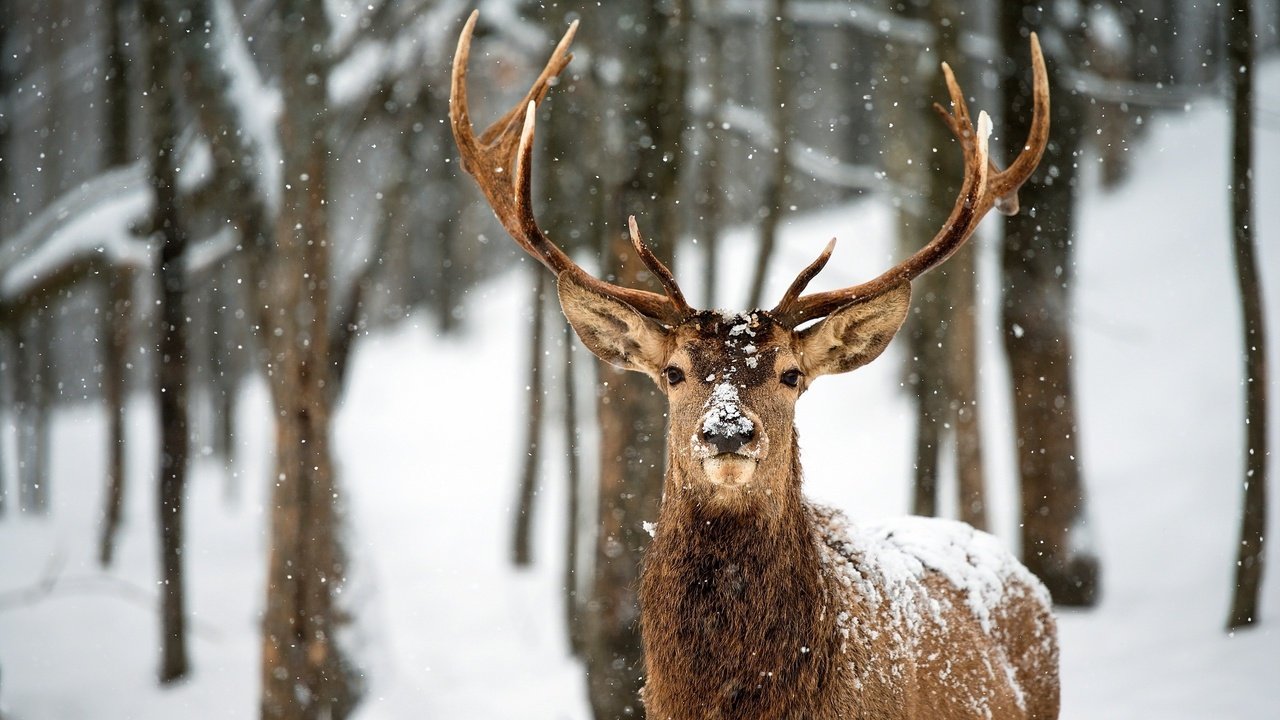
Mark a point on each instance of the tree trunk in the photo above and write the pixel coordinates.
(33, 364)
(521, 552)
(572, 214)
(781, 34)
(914, 163)
(630, 411)
(1037, 275)
(6, 350)
(171, 353)
(963, 383)
(119, 288)
(6, 367)
(1250, 557)
(305, 674)
(709, 193)
(115, 324)
(573, 605)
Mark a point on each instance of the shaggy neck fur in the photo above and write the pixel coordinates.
(734, 616)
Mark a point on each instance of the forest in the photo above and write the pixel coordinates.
(292, 424)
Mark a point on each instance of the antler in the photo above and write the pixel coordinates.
(499, 161)
(985, 186)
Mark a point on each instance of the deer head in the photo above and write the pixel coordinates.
(732, 380)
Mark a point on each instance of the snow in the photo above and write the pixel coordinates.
(427, 441)
(257, 104)
(724, 417)
(93, 219)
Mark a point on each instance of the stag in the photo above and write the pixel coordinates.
(756, 603)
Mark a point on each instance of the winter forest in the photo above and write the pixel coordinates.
(291, 428)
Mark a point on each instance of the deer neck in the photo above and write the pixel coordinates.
(733, 610)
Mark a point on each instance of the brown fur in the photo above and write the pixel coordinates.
(747, 611)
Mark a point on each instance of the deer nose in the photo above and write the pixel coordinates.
(729, 437)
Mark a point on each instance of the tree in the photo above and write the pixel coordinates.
(521, 551)
(1250, 557)
(781, 35)
(572, 215)
(1037, 271)
(171, 351)
(119, 285)
(640, 178)
(941, 330)
(305, 673)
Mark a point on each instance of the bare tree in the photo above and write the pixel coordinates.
(632, 454)
(119, 284)
(1037, 271)
(568, 147)
(305, 673)
(33, 366)
(781, 34)
(1250, 557)
(708, 187)
(521, 551)
(941, 367)
(171, 352)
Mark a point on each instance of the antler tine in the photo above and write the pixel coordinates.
(656, 267)
(1005, 185)
(489, 159)
(802, 280)
(984, 186)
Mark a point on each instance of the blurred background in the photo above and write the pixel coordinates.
(291, 427)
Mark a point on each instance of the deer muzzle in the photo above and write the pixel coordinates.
(730, 440)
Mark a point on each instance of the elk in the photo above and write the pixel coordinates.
(756, 603)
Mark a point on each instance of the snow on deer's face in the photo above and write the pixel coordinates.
(731, 382)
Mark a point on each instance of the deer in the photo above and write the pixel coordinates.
(756, 603)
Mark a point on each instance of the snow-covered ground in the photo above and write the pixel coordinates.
(427, 441)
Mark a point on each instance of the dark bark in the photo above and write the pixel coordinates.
(6, 367)
(115, 326)
(781, 34)
(709, 190)
(171, 353)
(305, 674)
(33, 365)
(650, 96)
(1037, 269)
(1250, 557)
(571, 215)
(6, 349)
(962, 380)
(573, 605)
(521, 546)
(934, 176)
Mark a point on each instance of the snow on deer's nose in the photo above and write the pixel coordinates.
(727, 426)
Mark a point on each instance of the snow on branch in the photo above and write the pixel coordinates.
(390, 47)
(257, 105)
(871, 20)
(95, 224)
(91, 223)
(1156, 95)
(751, 124)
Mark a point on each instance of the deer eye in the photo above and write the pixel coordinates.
(791, 378)
(675, 375)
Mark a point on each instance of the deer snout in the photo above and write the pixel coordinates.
(729, 437)
(729, 428)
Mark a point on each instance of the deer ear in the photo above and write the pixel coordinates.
(616, 332)
(855, 334)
